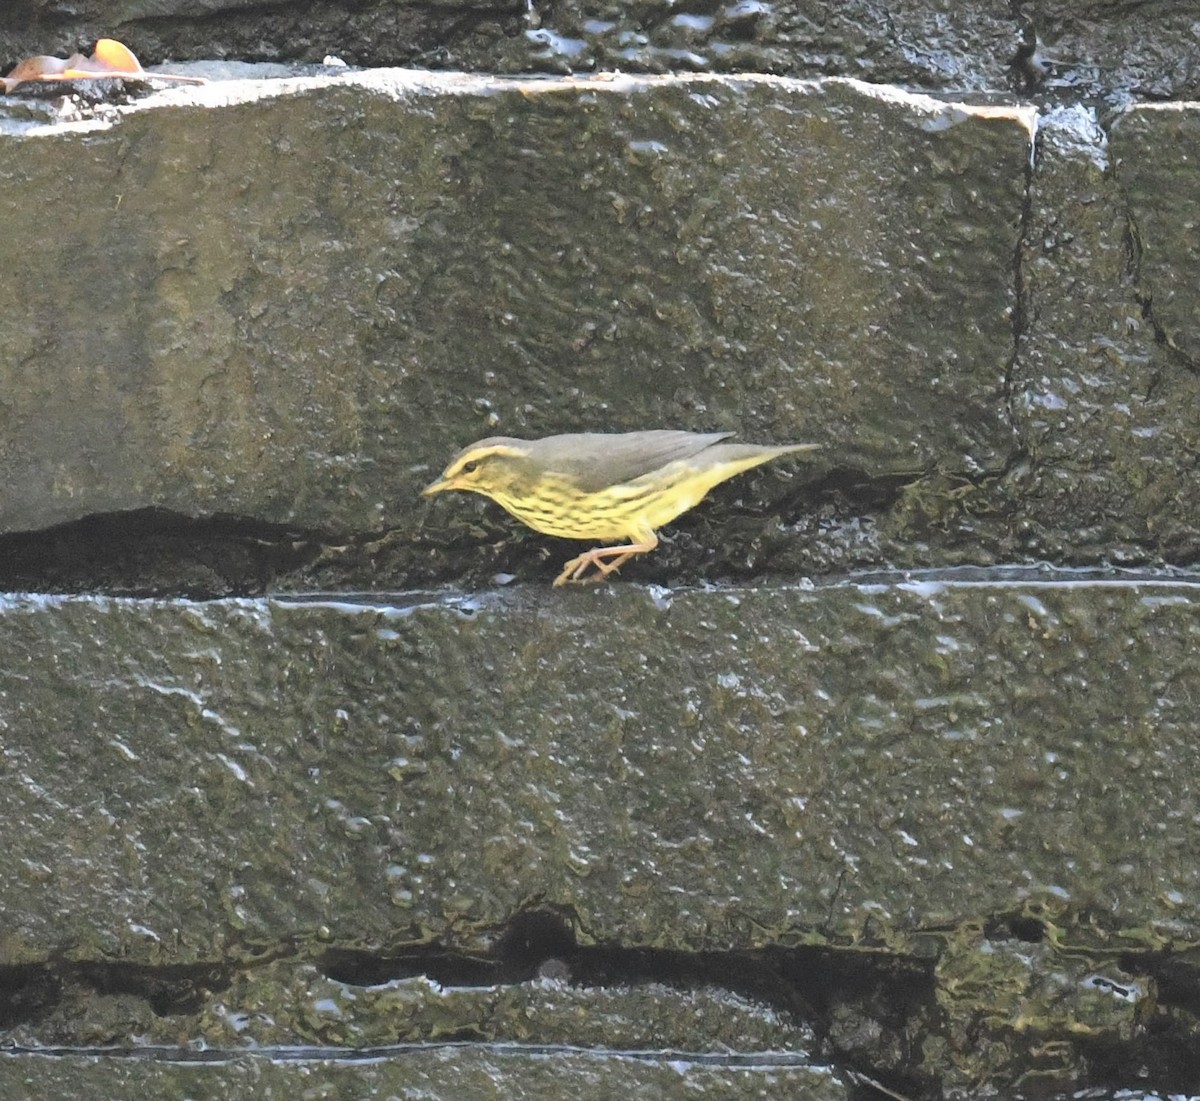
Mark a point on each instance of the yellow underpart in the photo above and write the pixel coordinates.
(631, 510)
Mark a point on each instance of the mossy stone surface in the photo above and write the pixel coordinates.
(192, 779)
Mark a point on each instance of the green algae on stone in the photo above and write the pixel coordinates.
(1019, 1010)
(286, 1005)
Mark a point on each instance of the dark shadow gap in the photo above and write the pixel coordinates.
(816, 987)
(852, 490)
(169, 990)
(154, 552)
(30, 992)
(870, 1011)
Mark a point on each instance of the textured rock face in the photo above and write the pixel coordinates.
(763, 254)
(503, 1074)
(827, 262)
(217, 793)
(922, 834)
(632, 747)
(1101, 51)
(1100, 375)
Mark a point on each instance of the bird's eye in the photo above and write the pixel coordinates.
(470, 468)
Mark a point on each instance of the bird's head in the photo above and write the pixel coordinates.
(499, 464)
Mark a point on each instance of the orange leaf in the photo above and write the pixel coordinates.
(114, 55)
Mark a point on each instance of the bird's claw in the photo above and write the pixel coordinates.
(573, 573)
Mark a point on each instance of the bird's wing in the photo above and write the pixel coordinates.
(594, 460)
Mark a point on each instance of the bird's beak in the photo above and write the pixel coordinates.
(436, 486)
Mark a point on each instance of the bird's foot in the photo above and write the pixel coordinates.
(575, 571)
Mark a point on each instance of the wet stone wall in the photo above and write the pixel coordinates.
(877, 779)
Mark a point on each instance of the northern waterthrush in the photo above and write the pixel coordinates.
(603, 486)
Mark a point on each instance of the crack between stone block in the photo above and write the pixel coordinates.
(159, 553)
(864, 1007)
(1141, 293)
(815, 989)
(155, 552)
(1020, 317)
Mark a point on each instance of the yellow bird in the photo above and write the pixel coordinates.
(602, 486)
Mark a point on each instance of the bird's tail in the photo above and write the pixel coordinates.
(744, 456)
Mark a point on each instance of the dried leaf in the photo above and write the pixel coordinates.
(33, 68)
(110, 59)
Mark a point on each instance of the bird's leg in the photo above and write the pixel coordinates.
(573, 571)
